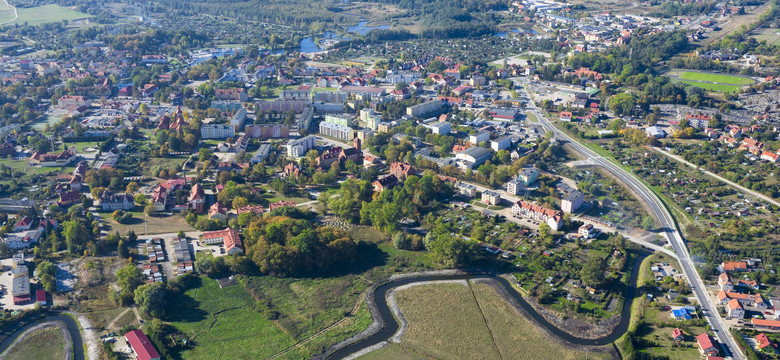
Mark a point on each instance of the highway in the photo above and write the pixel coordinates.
(668, 226)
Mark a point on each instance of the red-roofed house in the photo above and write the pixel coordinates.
(706, 345)
(677, 334)
(280, 204)
(763, 341)
(734, 309)
(228, 237)
(142, 347)
(732, 266)
(24, 224)
(565, 115)
(401, 170)
(770, 156)
(553, 218)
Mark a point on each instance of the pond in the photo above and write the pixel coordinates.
(362, 28)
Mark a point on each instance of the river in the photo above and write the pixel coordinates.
(391, 325)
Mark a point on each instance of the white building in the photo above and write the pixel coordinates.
(299, 147)
(340, 119)
(440, 128)
(502, 143)
(474, 156)
(424, 108)
(261, 154)
(22, 239)
(217, 131)
(467, 190)
(237, 121)
(479, 137)
(343, 133)
(491, 197)
(572, 202)
(515, 186)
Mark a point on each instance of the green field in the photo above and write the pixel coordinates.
(210, 316)
(45, 343)
(713, 87)
(47, 14)
(453, 321)
(771, 36)
(716, 78)
(6, 12)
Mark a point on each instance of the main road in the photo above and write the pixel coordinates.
(668, 226)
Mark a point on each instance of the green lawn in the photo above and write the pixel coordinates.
(47, 14)
(531, 117)
(81, 145)
(45, 343)
(713, 87)
(210, 316)
(716, 78)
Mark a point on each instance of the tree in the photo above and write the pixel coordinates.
(128, 278)
(151, 300)
(622, 104)
(121, 249)
(149, 210)
(647, 223)
(49, 282)
(140, 199)
(131, 187)
(592, 273)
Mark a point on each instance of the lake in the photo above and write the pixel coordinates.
(362, 28)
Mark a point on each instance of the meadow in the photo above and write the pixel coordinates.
(716, 78)
(44, 343)
(47, 14)
(713, 87)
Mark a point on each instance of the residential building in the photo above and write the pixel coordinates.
(53, 159)
(474, 156)
(479, 137)
(501, 143)
(440, 128)
(237, 120)
(515, 186)
(572, 202)
(746, 299)
(528, 175)
(233, 245)
(234, 94)
(261, 153)
(22, 239)
(20, 285)
(217, 131)
(196, 199)
(110, 201)
(340, 119)
(217, 211)
(23, 224)
(587, 231)
(553, 218)
(384, 183)
(159, 198)
(724, 282)
(142, 347)
(220, 236)
(424, 108)
(340, 132)
(707, 345)
(678, 335)
(763, 341)
(299, 147)
(401, 170)
(565, 116)
(680, 314)
(491, 197)
(467, 189)
(267, 131)
(734, 266)
(280, 204)
(734, 309)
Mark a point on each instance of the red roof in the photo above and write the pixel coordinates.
(763, 341)
(40, 295)
(677, 332)
(143, 348)
(705, 341)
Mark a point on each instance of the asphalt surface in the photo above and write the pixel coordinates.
(669, 229)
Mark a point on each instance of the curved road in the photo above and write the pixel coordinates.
(668, 226)
(70, 323)
(389, 324)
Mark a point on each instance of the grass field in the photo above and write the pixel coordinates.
(713, 87)
(716, 78)
(47, 14)
(209, 316)
(6, 12)
(771, 36)
(45, 343)
(153, 225)
(453, 321)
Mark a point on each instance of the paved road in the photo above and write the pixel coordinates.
(718, 177)
(669, 229)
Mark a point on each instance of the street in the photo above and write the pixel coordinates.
(668, 226)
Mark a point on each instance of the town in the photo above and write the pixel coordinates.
(182, 189)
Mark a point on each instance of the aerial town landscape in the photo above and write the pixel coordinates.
(474, 179)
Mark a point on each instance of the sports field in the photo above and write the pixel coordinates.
(716, 78)
(714, 87)
(454, 321)
(47, 14)
(44, 343)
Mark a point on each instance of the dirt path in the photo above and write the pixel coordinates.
(90, 337)
(111, 324)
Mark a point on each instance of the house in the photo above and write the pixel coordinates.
(217, 211)
(467, 190)
(196, 198)
(235, 94)
(763, 341)
(142, 347)
(565, 115)
(725, 282)
(68, 198)
(110, 201)
(233, 244)
(587, 231)
(553, 218)
(386, 182)
(732, 266)
(401, 170)
(257, 209)
(159, 198)
(491, 197)
(572, 202)
(734, 309)
(23, 224)
(680, 314)
(766, 324)
(745, 299)
(678, 335)
(52, 159)
(706, 345)
(280, 204)
(770, 156)
(220, 236)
